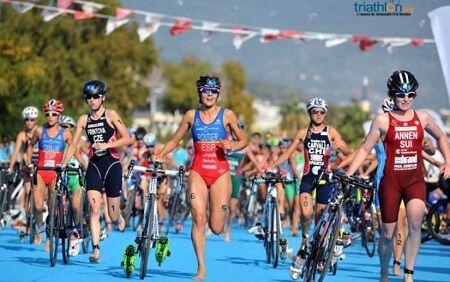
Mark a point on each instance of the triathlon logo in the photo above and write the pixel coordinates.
(382, 8)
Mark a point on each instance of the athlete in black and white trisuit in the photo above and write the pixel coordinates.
(104, 172)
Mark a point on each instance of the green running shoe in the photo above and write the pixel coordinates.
(162, 249)
(129, 258)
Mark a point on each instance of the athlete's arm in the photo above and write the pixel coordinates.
(441, 139)
(81, 124)
(21, 138)
(124, 139)
(298, 138)
(338, 142)
(241, 139)
(293, 164)
(248, 152)
(371, 139)
(182, 129)
(431, 160)
(37, 134)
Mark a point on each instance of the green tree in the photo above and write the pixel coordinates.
(294, 117)
(181, 93)
(235, 97)
(43, 60)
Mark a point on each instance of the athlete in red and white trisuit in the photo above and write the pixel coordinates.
(402, 133)
(210, 172)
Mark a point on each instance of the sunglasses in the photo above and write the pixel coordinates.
(30, 119)
(51, 114)
(410, 95)
(95, 96)
(206, 90)
(317, 112)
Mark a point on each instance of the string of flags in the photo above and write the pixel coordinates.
(150, 22)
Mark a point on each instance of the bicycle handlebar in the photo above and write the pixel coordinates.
(352, 180)
(155, 167)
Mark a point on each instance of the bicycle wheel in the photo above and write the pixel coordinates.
(66, 223)
(85, 231)
(31, 224)
(275, 235)
(369, 233)
(129, 207)
(146, 240)
(437, 222)
(329, 243)
(53, 234)
(173, 210)
(425, 234)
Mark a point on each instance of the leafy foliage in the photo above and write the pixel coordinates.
(43, 60)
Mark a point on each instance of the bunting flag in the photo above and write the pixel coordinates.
(80, 15)
(122, 13)
(113, 24)
(151, 25)
(440, 24)
(22, 7)
(240, 35)
(90, 7)
(86, 10)
(181, 25)
(208, 30)
(50, 14)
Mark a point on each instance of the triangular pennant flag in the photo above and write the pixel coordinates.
(79, 15)
(90, 7)
(122, 13)
(290, 33)
(64, 4)
(22, 7)
(269, 35)
(240, 35)
(208, 31)
(113, 24)
(417, 42)
(392, 43)
(51, 14)
(151, 25)
(180, 26)
(364, 42)
(335, 42)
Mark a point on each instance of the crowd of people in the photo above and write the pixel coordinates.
(219, 157)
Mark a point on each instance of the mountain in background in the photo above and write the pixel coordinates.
(282, 69)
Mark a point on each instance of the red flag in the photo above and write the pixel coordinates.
(7, 1)
(290, 33)
(180, 26)
(65, 4)
(122, 13)
(79, 15)
(365, 43)
(416, 42)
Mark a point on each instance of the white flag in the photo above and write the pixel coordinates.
(90, 7)
(440, 24)
(112, 24)
(240, 38)
(51, 14)
(392, 43)
(22, 7)
(208, 31)
(335, 42)
(151, 25)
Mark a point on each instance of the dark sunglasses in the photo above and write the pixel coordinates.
(51, 114)
(95, 96)
(30, 119)
(403, 95)
(206, 90)
(317, 112)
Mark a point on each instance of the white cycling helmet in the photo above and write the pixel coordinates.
(150, 139)
(388, 105)
(66, 120)
(317, 102)
(132, 129)
(30, 112)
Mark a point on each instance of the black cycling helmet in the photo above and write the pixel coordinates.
(401, 82)
(94, 87)
(140, 133)
(209, 81)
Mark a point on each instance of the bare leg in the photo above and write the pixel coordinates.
(306, 208)
(295, 215)
(399, 241)
(415, 210)
(231, 215)
(95, 201)
(162, 200)
(39, 197)
(198, 193)
(385, 249)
